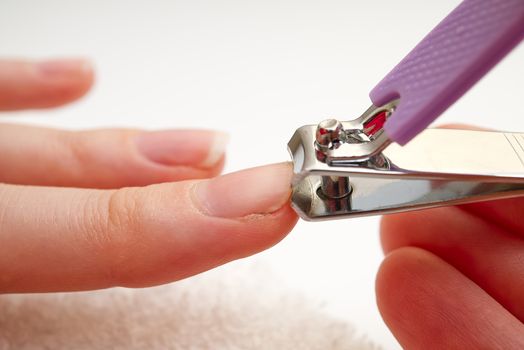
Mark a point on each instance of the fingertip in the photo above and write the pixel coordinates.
(85, 80)
(388, 277)
(384, 229)
(271, 229)
(404, 287)
(397, 267)
(216, 168)
(260, 190)
(63, 80)
(216, 150)
(393, 228)
(43, 84)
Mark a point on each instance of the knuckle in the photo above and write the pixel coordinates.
(77, 144)
(108, 151)
(116, 229)
(88, 146)
(124, 210)
(83, 146)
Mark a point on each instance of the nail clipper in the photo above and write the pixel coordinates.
(386, 160)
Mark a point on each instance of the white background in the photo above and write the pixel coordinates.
(258, 70)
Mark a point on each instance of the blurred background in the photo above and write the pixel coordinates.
(257, 70)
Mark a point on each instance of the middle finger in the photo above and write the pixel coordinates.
(107, 158)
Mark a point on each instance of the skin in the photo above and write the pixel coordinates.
(453, 277)
(102, 208)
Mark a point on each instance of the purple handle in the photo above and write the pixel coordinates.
(447, 62)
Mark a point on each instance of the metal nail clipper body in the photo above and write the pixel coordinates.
(438, 167)
(357, 167)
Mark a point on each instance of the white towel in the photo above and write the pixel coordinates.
(228, 308)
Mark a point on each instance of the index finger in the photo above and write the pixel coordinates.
(60, 239)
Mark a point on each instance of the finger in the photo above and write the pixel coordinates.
(460, 126)
(484, 252)
(506, 212)
(25, 84)
(428, 304)
(107, 158)
(72, 239)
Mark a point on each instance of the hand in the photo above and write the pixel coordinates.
(63, 238)
(453, 277)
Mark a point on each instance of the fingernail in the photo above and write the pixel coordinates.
(259, 190)
(202, 148)
(65, 66)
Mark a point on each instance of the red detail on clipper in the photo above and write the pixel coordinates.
(371, 127)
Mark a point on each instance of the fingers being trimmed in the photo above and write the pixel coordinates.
(56, 239)
(484, 252)
(107, 158)
(428, 304)
(25, 84)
